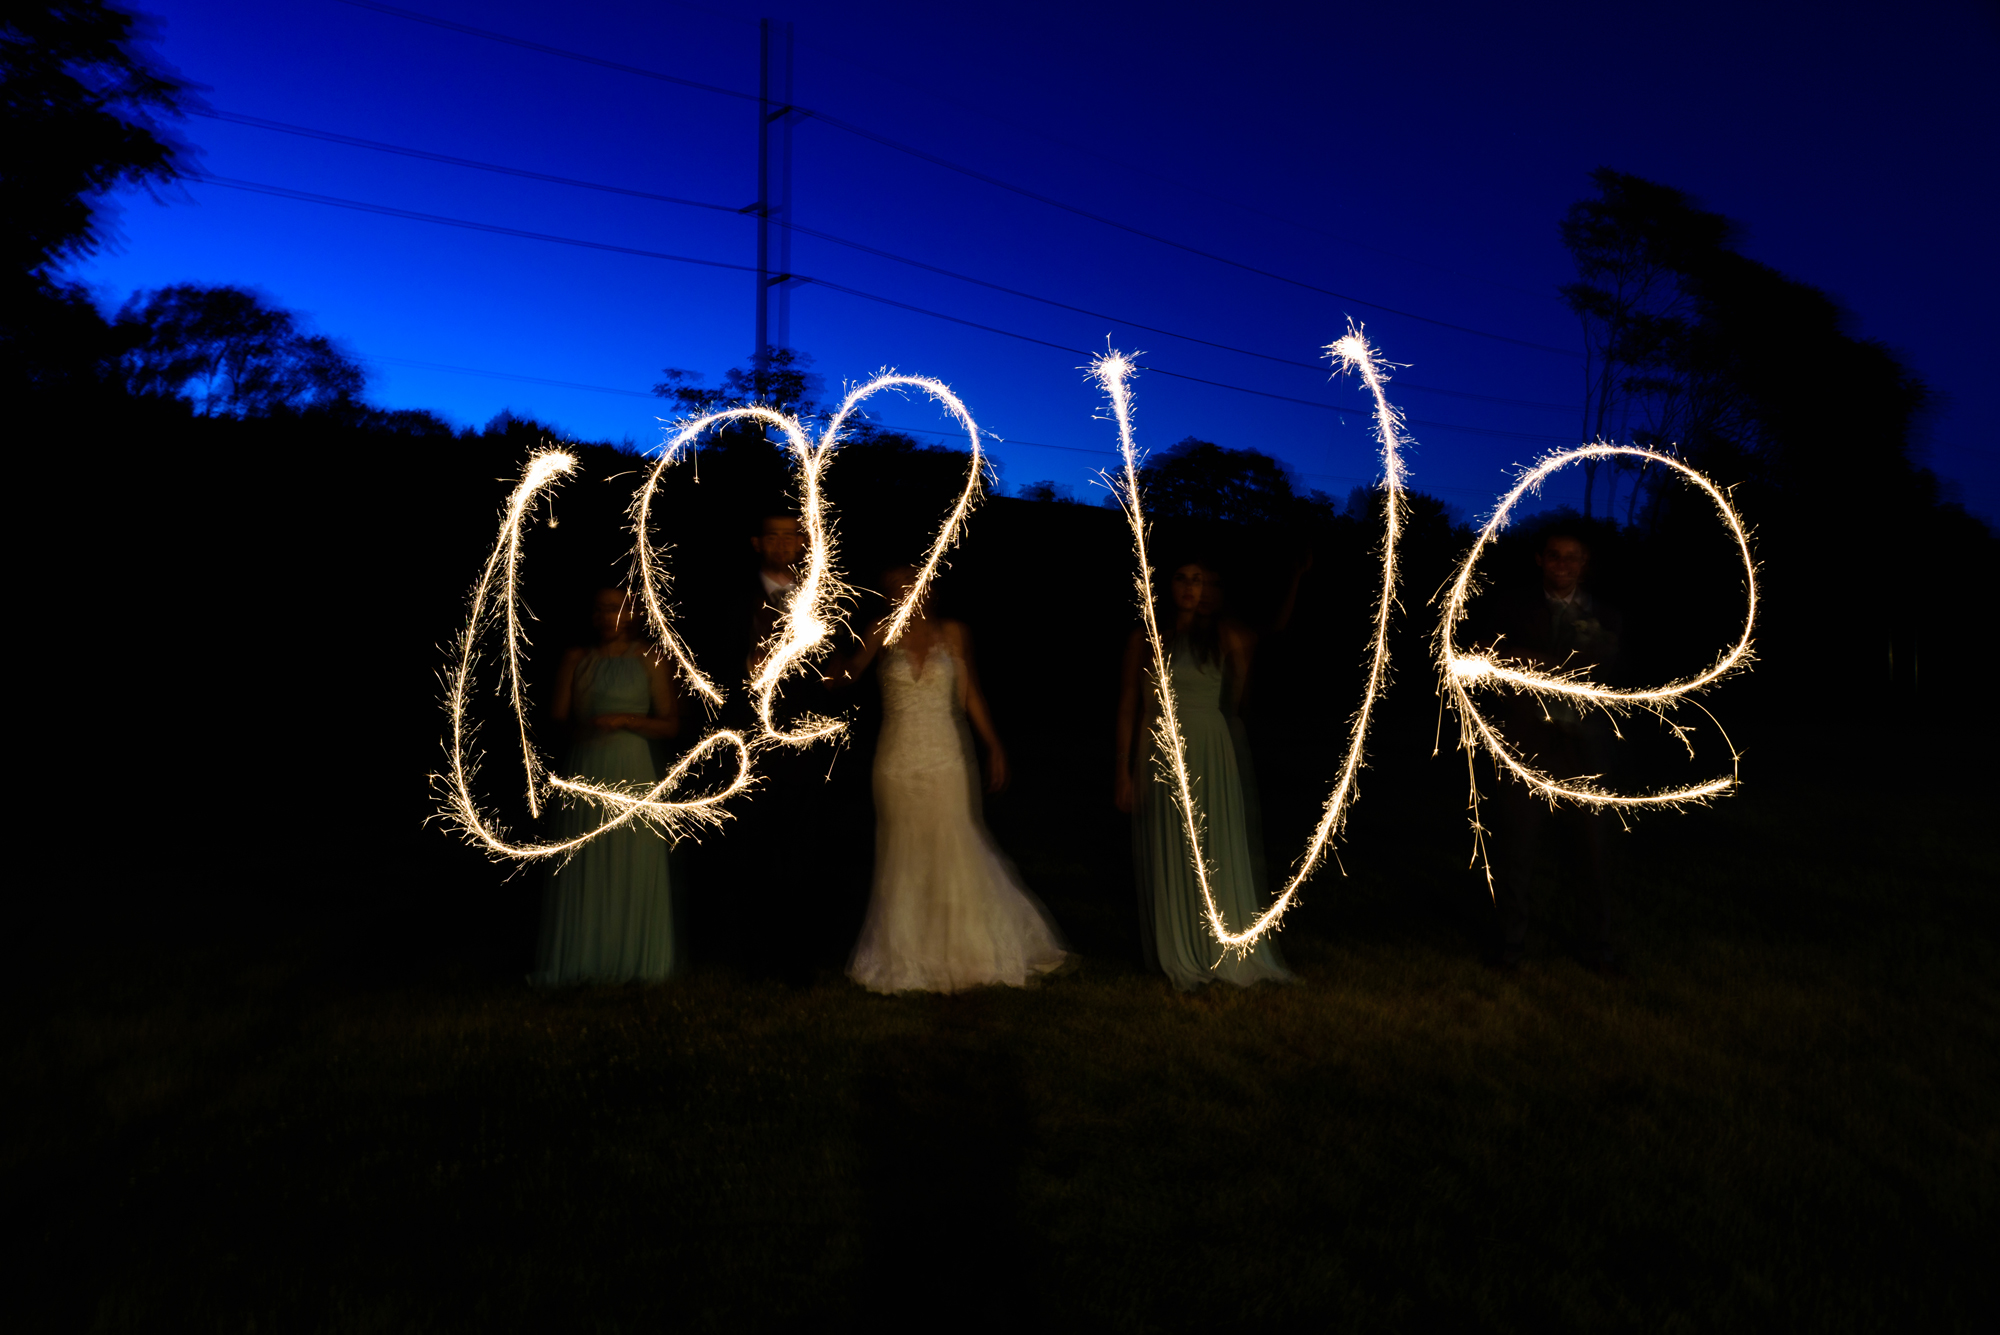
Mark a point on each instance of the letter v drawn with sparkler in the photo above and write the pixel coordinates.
(1113, 372)
(802, 635)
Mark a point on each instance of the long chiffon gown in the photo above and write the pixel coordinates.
(607, 914)
(946, 912)
(1173, 922)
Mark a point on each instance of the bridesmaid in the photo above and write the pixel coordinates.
(1209, 664)
(607, 916)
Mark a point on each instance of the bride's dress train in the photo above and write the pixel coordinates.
(947, 912)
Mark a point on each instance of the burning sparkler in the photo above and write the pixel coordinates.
(1351, 352)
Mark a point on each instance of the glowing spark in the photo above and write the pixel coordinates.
(1351, 352)
(1461, 671)
(806, 627)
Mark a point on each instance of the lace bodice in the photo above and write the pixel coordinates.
(920, 709)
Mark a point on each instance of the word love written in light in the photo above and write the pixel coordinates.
(803, 633)
(806, 629)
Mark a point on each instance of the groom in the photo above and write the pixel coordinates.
(779, 542)
(798, 870)
(1561, 625)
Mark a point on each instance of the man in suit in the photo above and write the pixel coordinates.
(1559, 625)
(795, 862)
(779, 542)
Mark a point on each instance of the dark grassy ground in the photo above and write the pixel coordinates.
(1784, 1119)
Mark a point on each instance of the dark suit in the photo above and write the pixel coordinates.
(784, 872)
(1565, 743)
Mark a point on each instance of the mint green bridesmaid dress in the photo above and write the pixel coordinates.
(607, 916)
(1173, 922)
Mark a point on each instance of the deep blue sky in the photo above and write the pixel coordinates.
(1414, 156)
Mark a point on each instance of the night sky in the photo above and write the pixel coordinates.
(1415, 157)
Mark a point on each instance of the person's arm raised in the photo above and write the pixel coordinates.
(973, 701)
(847, 664)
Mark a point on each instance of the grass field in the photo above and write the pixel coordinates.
(1785, 1118)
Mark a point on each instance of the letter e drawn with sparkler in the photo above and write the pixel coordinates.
(803, 634)
(1464, 672)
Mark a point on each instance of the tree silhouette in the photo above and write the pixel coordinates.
(1695, 347)
(783, 381)
(84, 104)
(229, 353)
(1634, 246)
(1200, 480)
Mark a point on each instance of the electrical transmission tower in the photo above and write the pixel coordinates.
(774, 192)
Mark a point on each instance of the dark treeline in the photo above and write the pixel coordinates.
(281, 562)
(1755, 378)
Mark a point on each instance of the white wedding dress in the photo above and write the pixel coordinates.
(947, 912)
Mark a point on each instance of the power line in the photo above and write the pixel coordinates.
(376, 145)
(525, 44)
(932, 158)
(1026, 193)
(1124, 164)
(310, 197)
(307, 196)
(1121, 163)
(404, 150)
(503, 375)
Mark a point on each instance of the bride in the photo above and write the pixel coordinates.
(946, 912)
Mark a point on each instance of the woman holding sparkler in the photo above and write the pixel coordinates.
(947, 911)
(1210, 668)
(607, 915)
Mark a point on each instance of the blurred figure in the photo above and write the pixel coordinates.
(1558, 625)
(947, 911)
(1209, 659)
(783, 912)
(779, 541)
(607, 914)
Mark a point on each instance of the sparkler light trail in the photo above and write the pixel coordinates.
(804, 630)
(815, 606)
(1351, 352)
(816, 609)
(499, 583)
(1462, 671)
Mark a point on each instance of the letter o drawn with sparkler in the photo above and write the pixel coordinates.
(802, 635)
